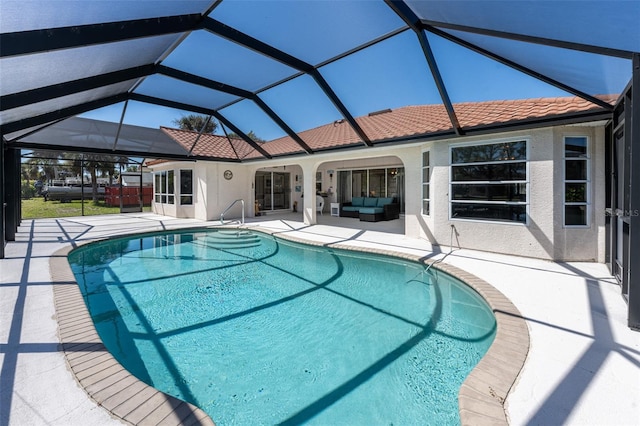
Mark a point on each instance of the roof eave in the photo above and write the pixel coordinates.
(503, 127)
(448, 134)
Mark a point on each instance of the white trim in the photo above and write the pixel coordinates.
(192, 195)
(165, 194)
(587, 182)
(430, 167)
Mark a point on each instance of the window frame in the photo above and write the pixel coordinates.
(526, 182)
(426, 184)
(587, 182)
(166, 193)
(182, 195)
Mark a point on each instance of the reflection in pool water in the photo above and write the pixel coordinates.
(257, 330)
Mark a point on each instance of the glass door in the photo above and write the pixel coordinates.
(621, 212)
(388, 182)
(281, 191)
(263, 190)
(359, 183)
(344, 186)
(273, 190)
(377, 183)
(395, 185)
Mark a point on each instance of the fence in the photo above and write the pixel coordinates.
(130, 196)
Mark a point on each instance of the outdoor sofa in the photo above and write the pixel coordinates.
(371, 209)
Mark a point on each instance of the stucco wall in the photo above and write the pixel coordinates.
(543, 236)
(175, 209)
(584, 243)
(215, 193)
(532, 240)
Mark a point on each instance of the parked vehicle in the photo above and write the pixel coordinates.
(67, 193)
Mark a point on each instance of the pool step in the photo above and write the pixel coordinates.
(233, 233)
(232, 240)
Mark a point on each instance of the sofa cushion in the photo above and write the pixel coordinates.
(351, 208)
(384, 201)
(371, 210)
(357, 201)
(370, 202)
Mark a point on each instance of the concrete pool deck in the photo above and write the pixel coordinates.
(583, 366)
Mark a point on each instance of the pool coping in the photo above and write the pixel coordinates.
(481, 397)
(102, 377)
(483, 393)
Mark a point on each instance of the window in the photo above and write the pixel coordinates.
(489, 182)
(395, 185)
(186, 187)
(426, 169)
(576, 181)
(163, 188)
(359, 183)
(384, 182)
(377, 182)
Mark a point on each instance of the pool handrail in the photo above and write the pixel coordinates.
(228, 208)
(453, 230)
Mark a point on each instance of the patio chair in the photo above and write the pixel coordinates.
(319, 204)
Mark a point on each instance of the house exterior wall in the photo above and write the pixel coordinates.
(175, 209)
(296, 184)
(542, 236)
(212, 193)
(586, 243)
(215, 193)
(534, 239)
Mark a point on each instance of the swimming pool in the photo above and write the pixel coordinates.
(257, 330)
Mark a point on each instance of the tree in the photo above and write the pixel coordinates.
(195, 122)
(42, 164)
(30, 170)
(105, 164)
(251, 135)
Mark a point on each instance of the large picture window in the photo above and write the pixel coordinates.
(186, 187)
(489, 182)
(163, 188)
(576, 181)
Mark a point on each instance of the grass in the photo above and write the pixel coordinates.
(37, 208)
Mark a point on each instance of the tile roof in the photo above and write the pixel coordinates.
(405, 122)
(210, 145)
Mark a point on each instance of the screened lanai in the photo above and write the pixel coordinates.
(264, 70)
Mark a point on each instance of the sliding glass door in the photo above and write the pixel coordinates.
(380, 182)
(273, 190)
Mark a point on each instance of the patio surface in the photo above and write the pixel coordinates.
(583, 365)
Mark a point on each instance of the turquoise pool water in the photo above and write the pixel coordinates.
(257, 330)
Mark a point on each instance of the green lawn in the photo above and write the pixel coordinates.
(36, 208)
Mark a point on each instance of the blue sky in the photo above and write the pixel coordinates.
(391, 74)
